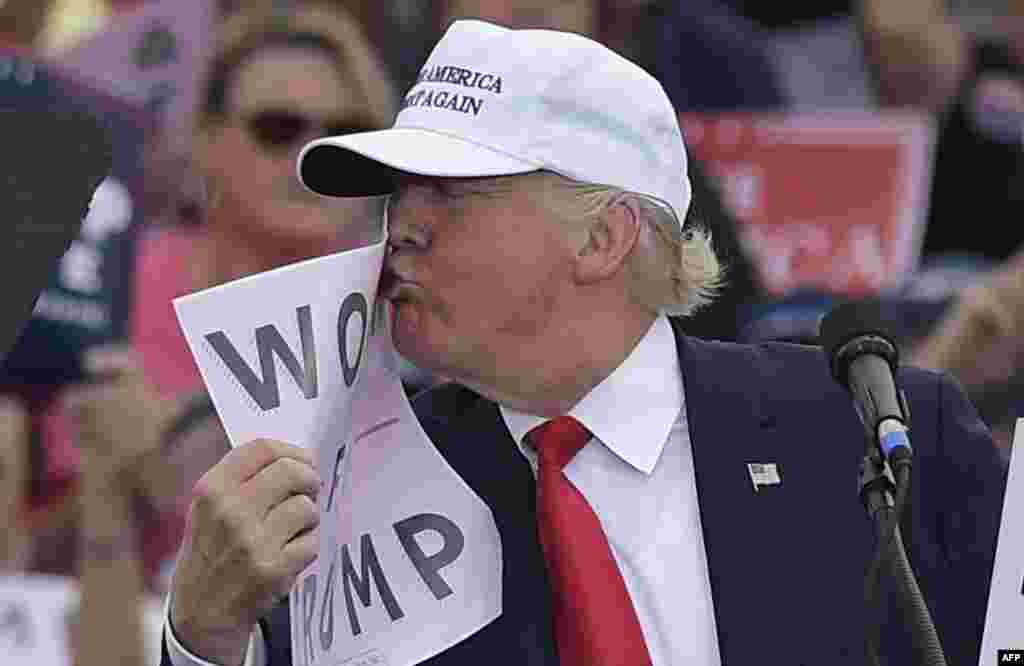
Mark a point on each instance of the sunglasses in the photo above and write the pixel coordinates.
(279, 131)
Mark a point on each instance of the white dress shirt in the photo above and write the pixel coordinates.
(637, 474)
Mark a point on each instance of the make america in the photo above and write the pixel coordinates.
(460, 77)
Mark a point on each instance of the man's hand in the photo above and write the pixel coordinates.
(251, 532)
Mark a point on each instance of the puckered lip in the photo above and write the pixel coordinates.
(393, 282)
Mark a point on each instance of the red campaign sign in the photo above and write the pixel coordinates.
(835, 202)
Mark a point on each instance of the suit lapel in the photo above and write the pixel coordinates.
(478, 446)
(749, 536)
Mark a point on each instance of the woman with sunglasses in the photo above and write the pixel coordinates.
(277, 80)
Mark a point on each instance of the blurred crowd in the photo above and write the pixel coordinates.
(222, 202)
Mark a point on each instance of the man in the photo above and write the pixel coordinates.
(537, 181)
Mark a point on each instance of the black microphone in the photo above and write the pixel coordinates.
(863, 358)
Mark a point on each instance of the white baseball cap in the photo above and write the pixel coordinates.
(493, 101)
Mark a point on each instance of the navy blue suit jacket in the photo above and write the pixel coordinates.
(787, 563)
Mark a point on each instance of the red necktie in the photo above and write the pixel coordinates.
(595, 622)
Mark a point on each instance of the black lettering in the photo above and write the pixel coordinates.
(327, 609)
(354, 302)
(428, 99)
(338, 459)
(15, 621)
(453, 103)
(308, 610)
(349, 578)
(269, 343)
(441, 98)
(474, 104)
(160, 94)
(458, 76)
(428, 566)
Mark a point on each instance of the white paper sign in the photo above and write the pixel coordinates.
(37, 619)
(1004, 621)
(279, 352)
(410, 558)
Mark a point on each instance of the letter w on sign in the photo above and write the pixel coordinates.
(269, 343)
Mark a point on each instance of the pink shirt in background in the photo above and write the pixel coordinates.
(161, 275)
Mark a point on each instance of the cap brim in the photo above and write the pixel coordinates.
(366, 164)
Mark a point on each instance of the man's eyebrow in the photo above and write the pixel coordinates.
(486, 185)
(454, 187)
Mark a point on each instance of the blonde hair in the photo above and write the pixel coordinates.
(671, 271)
(262, 24)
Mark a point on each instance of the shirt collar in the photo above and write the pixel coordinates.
(632, 410)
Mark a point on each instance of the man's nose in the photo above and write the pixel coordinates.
(409, 236)
(408, 226)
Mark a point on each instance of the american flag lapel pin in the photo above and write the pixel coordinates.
(764, 474)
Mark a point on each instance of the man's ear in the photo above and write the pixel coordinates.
(609, 242)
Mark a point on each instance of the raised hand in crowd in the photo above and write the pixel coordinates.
(119, 422)
(981, 339)
(14, 476)
(251, 532)
(916, 51)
